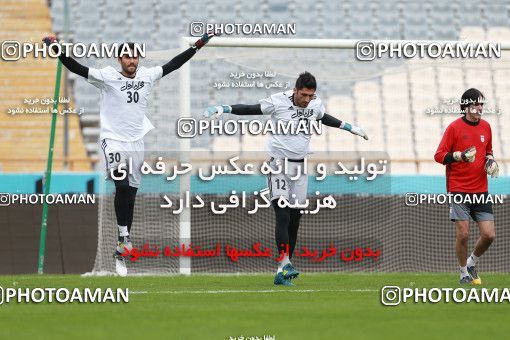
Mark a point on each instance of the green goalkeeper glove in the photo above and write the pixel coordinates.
(356, 130)
(467, 155)
(491, 166)
(214, 112)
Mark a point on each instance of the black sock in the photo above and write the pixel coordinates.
(282, 226)
(121, 202)
(132, 198)
(295, 216)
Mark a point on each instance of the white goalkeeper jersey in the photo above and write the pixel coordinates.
(280, 106)
(124, 101)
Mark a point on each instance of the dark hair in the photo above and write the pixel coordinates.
(131, 47)
(469, 97)
(306, 80)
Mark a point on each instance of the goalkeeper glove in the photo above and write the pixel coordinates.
(467, 155)
(491, 166)
(214, 112)
(50, 39)
(203, 40)
(354, 129)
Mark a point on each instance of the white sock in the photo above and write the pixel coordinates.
(123, 231)
(463, 272)
(282, 263)
(472, 260)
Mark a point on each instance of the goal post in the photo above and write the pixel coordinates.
(185, 148)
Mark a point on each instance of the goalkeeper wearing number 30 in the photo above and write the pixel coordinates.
(125, 99)
(288, 107)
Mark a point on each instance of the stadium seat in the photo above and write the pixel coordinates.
(253, 143)
(402, 168)
(431, 168)
(427, 138)
(319, 142)
(498, 34)
(450, 82)
(226, 143)
(494, 121)
(479, 76)
(496, 14)
(472, 33)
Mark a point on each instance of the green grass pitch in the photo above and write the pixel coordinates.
(320, 306)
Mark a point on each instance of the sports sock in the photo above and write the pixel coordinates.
(472, 260)
(282, 263)
(463, 272)
(123, 231)
(295, 216)
(131, 211)
(124, 203)
(282, 227)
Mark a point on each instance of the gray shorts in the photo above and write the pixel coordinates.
(125, 153)
(292, 185)
(476, 211)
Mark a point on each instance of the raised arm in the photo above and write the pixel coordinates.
(183, 57)
(71, 64)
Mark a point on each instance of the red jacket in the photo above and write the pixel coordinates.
(460, 135)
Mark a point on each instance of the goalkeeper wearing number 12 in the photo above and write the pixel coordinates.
(300, 104)
(466, 150)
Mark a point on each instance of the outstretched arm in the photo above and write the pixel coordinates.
(329, 120)
(182, 58)
(71, 64)
(237, 109)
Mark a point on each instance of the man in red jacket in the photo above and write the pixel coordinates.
(466, 150)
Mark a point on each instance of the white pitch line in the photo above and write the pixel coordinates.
(253, 291)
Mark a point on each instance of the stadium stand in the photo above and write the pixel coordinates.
(32, 78)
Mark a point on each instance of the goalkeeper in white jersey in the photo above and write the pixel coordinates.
(124, 104)
(301, 103)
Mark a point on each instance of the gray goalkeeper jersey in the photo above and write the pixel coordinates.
(281, 108)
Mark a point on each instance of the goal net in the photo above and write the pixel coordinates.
(404, 105)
